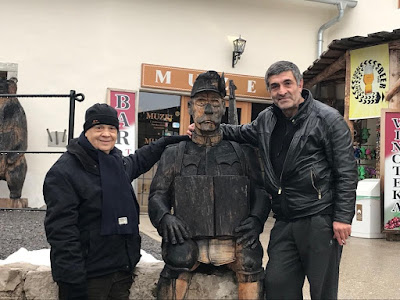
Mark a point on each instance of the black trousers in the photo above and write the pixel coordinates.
(299, 249)
(114, 286)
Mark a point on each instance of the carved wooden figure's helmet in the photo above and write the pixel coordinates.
(209, 81)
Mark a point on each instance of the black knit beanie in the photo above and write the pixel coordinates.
(100, 113)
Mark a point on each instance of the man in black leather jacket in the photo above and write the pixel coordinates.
(92, 213)
(306, 147)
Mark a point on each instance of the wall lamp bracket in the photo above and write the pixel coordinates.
(238, 48)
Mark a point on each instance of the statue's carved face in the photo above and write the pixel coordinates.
(207, 109)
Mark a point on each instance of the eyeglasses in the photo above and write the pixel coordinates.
(203, 102)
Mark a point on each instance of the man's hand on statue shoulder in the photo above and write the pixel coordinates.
(173, 230)
(249, 231)
(190, 130)
(341, 231)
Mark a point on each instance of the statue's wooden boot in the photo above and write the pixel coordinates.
(165, 288)
(173, 289)
(250, 290)
(182, 285)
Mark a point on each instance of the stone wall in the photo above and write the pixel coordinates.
(21, 281)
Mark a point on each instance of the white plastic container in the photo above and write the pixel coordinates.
(367, 219)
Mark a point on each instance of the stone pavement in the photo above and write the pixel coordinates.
(370, 268)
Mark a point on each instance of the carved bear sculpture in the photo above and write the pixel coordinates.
(13, 136)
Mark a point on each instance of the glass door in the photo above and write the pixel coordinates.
(158, 115)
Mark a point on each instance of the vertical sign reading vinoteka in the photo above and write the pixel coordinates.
(392, 170)
(125, 103)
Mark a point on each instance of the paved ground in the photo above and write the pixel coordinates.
(370, 268)
(22, 228)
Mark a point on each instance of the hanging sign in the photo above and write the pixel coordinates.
(181, 79)
(369, 81)
(390, 163)
(124, 102)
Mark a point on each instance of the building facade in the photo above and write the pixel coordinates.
(93, 46)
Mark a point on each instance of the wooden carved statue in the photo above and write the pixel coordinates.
(13, 136)
(207, 201)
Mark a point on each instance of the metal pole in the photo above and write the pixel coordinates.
(71, 115)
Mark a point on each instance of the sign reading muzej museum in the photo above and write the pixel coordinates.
(124, 102)
(390, 121)
(369, 81)
(181, 79)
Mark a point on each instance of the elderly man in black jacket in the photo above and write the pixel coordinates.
(311, 174)
(92, 213)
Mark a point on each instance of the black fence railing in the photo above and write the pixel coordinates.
(73, 96)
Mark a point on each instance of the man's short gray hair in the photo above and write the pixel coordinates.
(283, 66)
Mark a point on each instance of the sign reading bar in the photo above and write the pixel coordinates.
(124, 102)
(180, 79)
(390, 147)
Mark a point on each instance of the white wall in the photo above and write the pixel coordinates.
(89, 45)
(369, 16)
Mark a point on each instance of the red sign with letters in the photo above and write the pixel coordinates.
(124, 102)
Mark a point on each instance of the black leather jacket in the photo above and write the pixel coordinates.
(319, 173)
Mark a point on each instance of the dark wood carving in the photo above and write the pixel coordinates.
(196, 204)
(13, 136)
(233, 205)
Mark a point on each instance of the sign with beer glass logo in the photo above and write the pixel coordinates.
(369, 81)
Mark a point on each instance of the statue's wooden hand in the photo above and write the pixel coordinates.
(173, 230)
(249, 231)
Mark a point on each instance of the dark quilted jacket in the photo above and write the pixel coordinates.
(73, 196)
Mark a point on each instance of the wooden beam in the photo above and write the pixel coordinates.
(394, 79)
(185, 117)
(395, 89)
(332, 82)
(394, 45)
(341, 75)
(338, 65)
(347, 93)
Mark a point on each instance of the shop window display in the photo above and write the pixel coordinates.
(365, 147)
